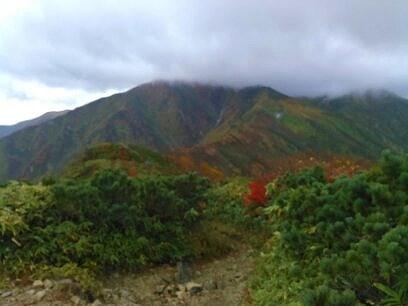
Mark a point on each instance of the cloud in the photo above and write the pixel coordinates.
(299, 47)
(21, 100)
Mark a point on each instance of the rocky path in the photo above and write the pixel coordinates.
(219, 282)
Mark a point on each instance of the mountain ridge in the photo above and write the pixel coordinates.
(229, 130)
(6, 130)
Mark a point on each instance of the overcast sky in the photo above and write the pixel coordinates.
(59, 54)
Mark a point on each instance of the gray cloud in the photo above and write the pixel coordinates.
(299, 47)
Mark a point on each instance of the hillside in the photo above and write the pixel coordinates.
(277, 131)
(157, 115)
(213, 129)
(133, 160)
(6, 130)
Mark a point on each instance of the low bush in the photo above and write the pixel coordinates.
(333, 242)
(227, 203)
(107, 222)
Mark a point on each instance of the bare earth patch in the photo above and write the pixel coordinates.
(219, 282)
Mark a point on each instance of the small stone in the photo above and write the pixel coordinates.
(76, 300)
(67, 285)
(197, 273)
(40, 295)
(194, 288)
(6, 294)
(96, 303)
(65, 281)
(48, 284)
(181, 295)
(38, 283)
(31, 292)
(181, 287)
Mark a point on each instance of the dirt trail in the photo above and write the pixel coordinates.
(219, 282)
(224, 282)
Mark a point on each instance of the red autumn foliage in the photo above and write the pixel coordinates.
(256, 195)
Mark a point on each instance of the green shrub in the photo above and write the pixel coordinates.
(333, 241)
(109, 221)
(226, 204)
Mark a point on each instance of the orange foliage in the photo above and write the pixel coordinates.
(132, 170)
(333, 165)
(185, 162)
(211, 172)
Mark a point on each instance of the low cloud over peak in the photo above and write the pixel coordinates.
(300, 48)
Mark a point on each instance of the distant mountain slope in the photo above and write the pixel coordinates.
(6, 130)
(158, 115)
(379, 115)
(212, 128)
(261, 138)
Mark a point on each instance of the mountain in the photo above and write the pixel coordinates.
(6, 130)
(214, 129)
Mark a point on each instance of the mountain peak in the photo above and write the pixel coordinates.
(171, 84)
(251, 90)
(178, 84)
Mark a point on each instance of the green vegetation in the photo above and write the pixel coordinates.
(107, 222)
(338, 243)
(323, 240)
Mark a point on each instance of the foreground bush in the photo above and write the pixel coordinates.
(339, 243)
(107, 222)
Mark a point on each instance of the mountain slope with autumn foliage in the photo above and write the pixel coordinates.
(213, 129)
(133, 160)
(276, 133)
